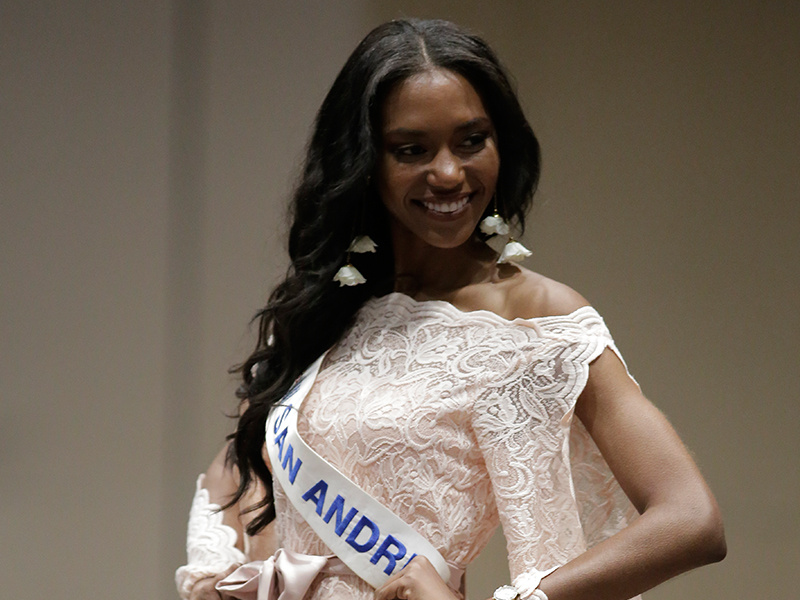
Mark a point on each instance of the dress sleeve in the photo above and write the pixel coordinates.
(525, 429)
(210, 544)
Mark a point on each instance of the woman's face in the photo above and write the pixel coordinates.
(438, 160)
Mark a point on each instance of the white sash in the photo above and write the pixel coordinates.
(368, 537)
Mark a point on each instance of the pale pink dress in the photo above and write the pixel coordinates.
(460, 421)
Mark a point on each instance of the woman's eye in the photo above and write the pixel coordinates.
(408, 151)
(474, 142)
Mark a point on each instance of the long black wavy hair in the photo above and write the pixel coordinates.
(336, 199)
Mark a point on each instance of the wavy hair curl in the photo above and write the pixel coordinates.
(336, 198)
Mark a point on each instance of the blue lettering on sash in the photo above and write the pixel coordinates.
(337, 508)
(409, 560)
(317, 494)
(282, 417)
(366, 546)
(279, 442)
(288, 458)
(294, 467)
(383, 551)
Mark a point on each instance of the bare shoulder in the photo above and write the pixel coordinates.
(530, 295)
(515, 292)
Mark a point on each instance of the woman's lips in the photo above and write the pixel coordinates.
(446, 207)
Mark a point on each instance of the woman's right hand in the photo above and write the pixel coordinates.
(205, 589)
(418, 580)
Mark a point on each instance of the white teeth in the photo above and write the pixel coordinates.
(446, 207)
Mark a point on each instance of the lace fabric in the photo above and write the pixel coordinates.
(459, 421)
(210, 544)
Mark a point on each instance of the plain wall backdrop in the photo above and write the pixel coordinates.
(147, 152)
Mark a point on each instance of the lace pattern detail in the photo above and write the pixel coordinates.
(210, 544)
(457, 421)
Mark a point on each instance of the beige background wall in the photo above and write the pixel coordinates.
(147, 149)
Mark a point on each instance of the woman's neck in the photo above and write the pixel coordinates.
(426, 272)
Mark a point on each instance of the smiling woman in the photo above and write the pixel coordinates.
(447, 390)
(439, 161)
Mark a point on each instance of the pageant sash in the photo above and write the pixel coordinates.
(368, 537)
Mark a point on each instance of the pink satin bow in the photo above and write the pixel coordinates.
(286, 575)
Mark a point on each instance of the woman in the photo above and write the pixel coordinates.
(453, 379)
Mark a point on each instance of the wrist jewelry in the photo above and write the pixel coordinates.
(509, 592)
(506, 592)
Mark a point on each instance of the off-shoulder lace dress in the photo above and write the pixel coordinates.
(457, 422)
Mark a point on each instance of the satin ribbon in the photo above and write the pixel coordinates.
(286, 575)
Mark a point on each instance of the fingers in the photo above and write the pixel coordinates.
(392, 591)
(398, 590)
(418, 580)
(205, 589)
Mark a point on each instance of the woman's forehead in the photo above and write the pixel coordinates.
(431, 95)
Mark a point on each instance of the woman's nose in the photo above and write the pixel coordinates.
(445, 170)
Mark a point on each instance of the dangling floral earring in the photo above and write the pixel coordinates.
(348, 274)
(494, 224)
(513, 252)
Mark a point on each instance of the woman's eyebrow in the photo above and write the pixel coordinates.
(476, 122)
(404, 131)
(408, 132)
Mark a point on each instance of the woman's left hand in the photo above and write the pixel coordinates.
(418, 580)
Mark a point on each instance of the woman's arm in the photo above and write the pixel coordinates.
(222, 480)
(216, 543)
(679, 528)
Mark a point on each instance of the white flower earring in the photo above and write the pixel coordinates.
(494, 224)
(513, 252)
(348, 274)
